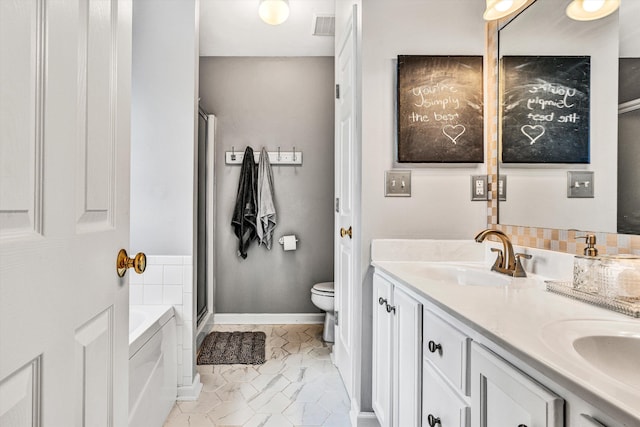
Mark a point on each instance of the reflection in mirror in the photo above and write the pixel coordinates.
(538, 192)
(629, 120)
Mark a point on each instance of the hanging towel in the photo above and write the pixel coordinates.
(244, 213)
(266, 205)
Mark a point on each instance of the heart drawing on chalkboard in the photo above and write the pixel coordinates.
(532, 132)
(453, 132)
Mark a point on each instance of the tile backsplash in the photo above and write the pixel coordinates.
(168, 280)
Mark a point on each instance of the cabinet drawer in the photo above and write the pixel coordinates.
(448, 350)
(441, 402)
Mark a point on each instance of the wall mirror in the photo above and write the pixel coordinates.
(537, 192)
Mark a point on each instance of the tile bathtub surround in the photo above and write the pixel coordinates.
(297, 385)
(168, 280)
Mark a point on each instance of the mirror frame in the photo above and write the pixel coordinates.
(559, 240)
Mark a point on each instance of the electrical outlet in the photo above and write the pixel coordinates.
(397, 183)
(580, 184)
(479, 189)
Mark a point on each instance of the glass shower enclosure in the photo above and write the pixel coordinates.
(205, 207)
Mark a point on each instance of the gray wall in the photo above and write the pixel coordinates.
(274, 102)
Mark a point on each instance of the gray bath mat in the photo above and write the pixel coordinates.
(228, 348)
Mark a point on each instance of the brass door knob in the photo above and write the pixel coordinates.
(344, 232)
(139, 263)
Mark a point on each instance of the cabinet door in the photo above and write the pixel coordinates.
(440, 403)
(502, 396)
(407, 360)
(382, 345)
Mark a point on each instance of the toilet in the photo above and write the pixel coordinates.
(322, 297)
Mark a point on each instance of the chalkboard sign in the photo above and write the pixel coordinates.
(440, 109)
(545, 109)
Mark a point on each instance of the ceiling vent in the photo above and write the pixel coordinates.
(324, 25)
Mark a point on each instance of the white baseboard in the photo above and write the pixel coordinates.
(364, 419)
(190, 392)
(267, 318)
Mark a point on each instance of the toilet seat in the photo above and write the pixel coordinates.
(323, 288)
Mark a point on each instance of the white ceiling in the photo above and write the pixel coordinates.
(233, 28)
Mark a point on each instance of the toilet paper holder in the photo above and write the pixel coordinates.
(282, 241)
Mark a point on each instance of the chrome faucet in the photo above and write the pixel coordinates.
(507, 262)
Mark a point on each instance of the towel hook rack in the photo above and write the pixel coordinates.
(279, 157)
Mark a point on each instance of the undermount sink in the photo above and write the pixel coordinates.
(612, 347)
(465, 275)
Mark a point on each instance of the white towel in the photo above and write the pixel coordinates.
(266, 204)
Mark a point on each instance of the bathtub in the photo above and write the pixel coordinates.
(153, 364)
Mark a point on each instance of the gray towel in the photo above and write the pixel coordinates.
(266, 204)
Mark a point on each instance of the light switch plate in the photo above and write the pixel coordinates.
(479, 190)
(397, 183)
(502, 188)
(580, 184)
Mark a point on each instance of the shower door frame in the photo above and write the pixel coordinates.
(204, 312)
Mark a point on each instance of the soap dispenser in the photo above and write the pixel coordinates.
(590, 240)
(584, 266)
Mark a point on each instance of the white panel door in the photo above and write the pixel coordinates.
(346, 263)
(65, 69)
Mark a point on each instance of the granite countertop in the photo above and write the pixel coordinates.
(520, 316)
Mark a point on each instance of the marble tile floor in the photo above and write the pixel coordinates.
(297, 386)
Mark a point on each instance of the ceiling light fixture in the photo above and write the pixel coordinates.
(588, 10)
(497, 9)
(274, 12)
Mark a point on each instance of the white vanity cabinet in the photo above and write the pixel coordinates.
(588, 421)
(397, 355)
(447, 349)
(581, 414)
(382, 351)
(506, 353)
(441, 405)
(502, 396)
(445, 377)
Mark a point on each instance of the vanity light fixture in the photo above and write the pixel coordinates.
(497, 9)
(274, 12)
(589, 10)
